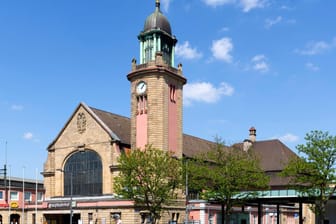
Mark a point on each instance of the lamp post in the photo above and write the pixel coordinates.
(186, 193)
(70, 191)
(4, 172)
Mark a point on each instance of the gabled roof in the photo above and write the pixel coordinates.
(273, 154)
(95, 115)
(193, 146)
(120, 125)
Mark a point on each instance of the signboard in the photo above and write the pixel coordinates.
(3, 205)
(14, 204)
(65, 204)
(62, 204)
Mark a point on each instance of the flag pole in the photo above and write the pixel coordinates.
(35, 221)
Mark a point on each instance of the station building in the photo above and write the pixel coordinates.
(82, 159)
(20, 197)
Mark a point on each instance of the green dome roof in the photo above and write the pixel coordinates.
(157, 21)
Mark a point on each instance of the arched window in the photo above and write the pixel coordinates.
(166, 54)
(83, 173)
(149, 50)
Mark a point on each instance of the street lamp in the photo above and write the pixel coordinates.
(63, 171)
(186, 193)
(4, 172)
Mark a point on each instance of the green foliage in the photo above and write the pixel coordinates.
(150, 177)
(227, 175)
(313, 174)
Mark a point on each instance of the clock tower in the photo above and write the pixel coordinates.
(156, 88)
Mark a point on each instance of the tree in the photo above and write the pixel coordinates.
(228, 176)
(150, 177)
(313, 173)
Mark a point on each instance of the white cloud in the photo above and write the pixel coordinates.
(316, 47)
(258, 57)
(16, 107)
(312, 67)
(259, 63)
(215, 3)
(186, 51)
(221, 49)
(206, 92)
(271, 22)
(28, 136)
(251, 4)
(247, 5)
(289, 138)
(261, 66)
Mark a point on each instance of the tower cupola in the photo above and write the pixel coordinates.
(157, 37)
(157, 88)
(157, 20)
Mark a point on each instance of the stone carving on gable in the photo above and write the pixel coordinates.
(81, 123)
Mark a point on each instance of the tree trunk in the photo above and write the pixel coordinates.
(321, 212)
(227, 218)
(223, 214)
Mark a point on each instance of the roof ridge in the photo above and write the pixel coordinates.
(105, 111)
(203, 139)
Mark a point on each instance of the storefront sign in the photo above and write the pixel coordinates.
(63, 204)
(59, 205)
(3, 205)
(14, 204)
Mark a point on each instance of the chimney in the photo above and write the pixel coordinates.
(253, 134)
(247, 145)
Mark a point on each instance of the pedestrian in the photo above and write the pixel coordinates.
(117, 219)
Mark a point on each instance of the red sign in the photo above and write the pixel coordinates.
(3, 205)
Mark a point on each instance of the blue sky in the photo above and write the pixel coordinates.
(263, 63)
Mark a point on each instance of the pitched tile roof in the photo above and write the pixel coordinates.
(120, 125)
(273, 154)
(193, 145)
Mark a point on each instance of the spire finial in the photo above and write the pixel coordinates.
(157, 4)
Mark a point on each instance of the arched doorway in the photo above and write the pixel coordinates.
(15, 219)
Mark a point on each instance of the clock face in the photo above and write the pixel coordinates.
(141, 87)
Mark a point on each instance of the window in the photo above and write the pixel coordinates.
(175, 218)
(148, 50)
(166, 54)
(39, 196)
(83, 174)
(27, 196)
(172, 93)
(1, 194)
(14, 195)
(142, 104)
